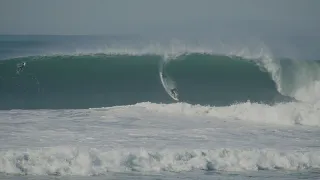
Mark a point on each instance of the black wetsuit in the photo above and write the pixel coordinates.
(174, 91)
(20, 67)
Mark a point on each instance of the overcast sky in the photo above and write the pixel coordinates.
(140, 16)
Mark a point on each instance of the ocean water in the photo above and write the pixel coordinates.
(84, 108)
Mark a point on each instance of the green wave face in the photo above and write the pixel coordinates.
(100, 80)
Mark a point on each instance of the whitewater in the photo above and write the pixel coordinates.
(103, 114)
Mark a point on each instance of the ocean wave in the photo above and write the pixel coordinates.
(122, 78)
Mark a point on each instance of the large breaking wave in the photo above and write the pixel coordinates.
(122, 78)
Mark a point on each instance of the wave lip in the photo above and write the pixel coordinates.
(88, 162)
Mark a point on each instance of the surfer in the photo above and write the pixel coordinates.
(20, 67)
(174, 92)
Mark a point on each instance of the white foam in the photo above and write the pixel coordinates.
(308, 92)
(149, 137)
(283, 113)
(305, 79)
(84, 162)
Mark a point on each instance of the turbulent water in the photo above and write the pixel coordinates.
(106, 114)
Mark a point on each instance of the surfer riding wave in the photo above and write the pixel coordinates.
(168, 84)
(20, 67)
(174, 91)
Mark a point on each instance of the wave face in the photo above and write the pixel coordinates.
(102, 80)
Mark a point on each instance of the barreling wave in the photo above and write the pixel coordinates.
(101, 80)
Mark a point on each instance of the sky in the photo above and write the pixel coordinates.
(75, 17)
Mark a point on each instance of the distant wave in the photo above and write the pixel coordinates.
(100, 80)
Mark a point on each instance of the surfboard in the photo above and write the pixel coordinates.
(168, 84)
